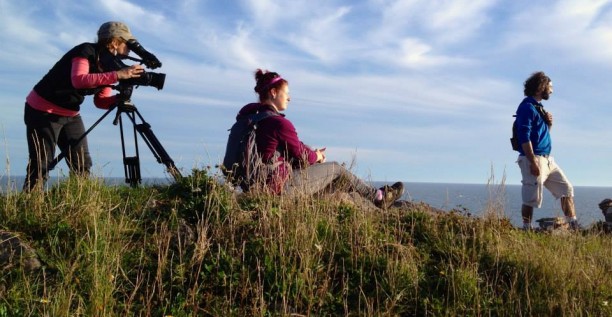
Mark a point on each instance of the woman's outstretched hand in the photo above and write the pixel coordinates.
(133, 71)
(320, 155)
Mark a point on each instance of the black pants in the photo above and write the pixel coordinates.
(330, 175)
(45, 131)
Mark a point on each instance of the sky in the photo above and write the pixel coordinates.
(408, 90)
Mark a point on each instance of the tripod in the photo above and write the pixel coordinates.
(131, 164)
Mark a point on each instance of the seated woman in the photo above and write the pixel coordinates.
(291, 166)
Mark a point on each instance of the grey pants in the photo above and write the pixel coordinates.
(326, 176)
(45, 131)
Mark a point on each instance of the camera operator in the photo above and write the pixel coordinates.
(52, 108)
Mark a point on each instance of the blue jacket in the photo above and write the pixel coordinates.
(532, 127)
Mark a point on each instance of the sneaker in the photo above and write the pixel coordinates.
(390, 195)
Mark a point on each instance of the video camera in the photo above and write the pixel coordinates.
(111, 62)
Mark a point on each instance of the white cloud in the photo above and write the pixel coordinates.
(442, 21)
(132, 14)
(324, 36)
(425, 75)
(413, 53)
(265, 13)
(567, 30)
(15, 26)
(420, 34)
(20, 33)
(240, 48)
(454, 20)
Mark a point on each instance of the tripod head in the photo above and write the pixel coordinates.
(124, 102)
(125, 91)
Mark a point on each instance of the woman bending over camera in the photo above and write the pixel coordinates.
(51, 112)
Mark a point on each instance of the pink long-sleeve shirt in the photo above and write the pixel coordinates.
(81, 78)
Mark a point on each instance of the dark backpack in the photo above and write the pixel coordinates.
(241, 158)
(514, 139)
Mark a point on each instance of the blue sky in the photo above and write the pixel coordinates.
(411, 90)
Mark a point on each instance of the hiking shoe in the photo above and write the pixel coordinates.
(390, 195)
(575, 226)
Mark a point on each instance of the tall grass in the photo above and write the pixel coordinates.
(195, 248)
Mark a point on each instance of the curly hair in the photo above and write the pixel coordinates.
(266, 81)
(536, 83)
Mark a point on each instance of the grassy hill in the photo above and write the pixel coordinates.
(195, 249)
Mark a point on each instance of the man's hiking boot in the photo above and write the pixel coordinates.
(574, 225)
(527, 227)
(390, 195)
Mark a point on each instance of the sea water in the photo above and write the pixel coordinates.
(506, 200)
(476, 199)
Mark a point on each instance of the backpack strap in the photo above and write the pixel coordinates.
(542, 112)
(260, 115)
(251, 164)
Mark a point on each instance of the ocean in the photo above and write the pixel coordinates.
(472, 198)
(475, 199)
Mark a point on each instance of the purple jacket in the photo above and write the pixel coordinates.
(278, 142)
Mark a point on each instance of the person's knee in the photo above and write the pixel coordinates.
(567, 200)
(334, 164)
(338, 167)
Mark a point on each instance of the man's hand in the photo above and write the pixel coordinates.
(549, 119)
(533, 160)
(534, 168)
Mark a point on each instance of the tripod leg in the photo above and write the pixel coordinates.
(131, 166)
(144, 129)
(158, 150)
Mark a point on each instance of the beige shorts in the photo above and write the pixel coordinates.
(551, 177)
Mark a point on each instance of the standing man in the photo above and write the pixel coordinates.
(538, 167)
